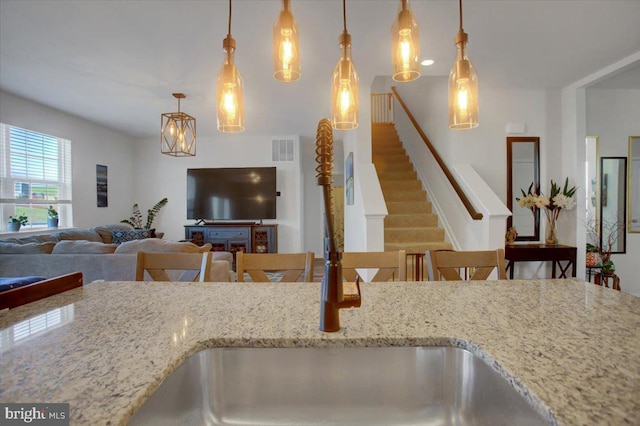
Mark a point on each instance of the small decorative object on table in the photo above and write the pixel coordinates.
(559, 199)
(52, 218)
(511, 235)
(15, 223)
(593, 256)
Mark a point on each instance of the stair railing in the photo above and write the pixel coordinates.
(382, 108)
(475, 215)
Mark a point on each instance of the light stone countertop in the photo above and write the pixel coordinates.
(571, 347)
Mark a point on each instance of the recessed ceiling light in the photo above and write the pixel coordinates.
(427, 62)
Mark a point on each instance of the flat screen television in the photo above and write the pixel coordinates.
(241, 193)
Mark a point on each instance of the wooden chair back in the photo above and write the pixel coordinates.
(293, 266)
(391, 265)
(478, 265)
(185, 266)
(39, 290)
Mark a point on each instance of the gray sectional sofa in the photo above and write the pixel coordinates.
(92, 252)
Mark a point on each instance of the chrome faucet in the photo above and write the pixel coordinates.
(332, 295)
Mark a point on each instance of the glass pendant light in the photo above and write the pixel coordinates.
(463, 86)
(344, 84)
(178, 132)
(229, 89)
(405, 45)
(286, 46)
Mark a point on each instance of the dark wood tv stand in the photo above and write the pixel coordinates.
(249, 237)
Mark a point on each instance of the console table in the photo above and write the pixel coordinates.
(233, 237)
(555, 253)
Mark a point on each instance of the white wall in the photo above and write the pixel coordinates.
(158, 175)
(91, 144)
(613, 116)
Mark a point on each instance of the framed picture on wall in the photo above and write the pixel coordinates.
(349, 178)
(101, 185)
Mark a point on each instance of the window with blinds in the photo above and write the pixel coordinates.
(36, 172)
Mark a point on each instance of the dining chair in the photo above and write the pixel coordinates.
(477, 265)
(272, 267)
(182, 267)
(391, 265)
(39, 290)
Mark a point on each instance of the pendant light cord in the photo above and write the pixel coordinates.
(460, 15)
(230, 18)
(344, 14)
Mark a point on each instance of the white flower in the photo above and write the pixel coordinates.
(541, 201)
(564, 202)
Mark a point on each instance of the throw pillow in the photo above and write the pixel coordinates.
(122, 236)
(156, 245)
(28, 248)
(106, 231)
(79, 234)
(83, 247)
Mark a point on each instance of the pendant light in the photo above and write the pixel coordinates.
(344, 84)
(178, 132)
(463, 86)
(286, 46)
(405, 45)
(229, 90)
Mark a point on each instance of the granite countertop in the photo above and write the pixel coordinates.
(572, 347)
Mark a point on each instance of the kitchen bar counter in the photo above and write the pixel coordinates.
(571, 347)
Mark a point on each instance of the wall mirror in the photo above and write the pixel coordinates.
(613, 203)
(634, 184)
(523, 168)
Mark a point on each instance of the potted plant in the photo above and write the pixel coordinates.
(136, 220)
(52, 218)
(607, 234)
(16, 222)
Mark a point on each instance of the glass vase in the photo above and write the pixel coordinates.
(551, 234)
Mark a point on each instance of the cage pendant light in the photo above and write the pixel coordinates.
(286, 46)
(463, 86)
(178, 132)
(344, 84)
(230, 98)
(405, 45)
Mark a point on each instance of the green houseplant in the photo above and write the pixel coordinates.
(15, 223)
(136, 220)
(52, 218)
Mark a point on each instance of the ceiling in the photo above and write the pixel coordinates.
(116, 63)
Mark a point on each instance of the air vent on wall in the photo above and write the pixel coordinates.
(282, 150)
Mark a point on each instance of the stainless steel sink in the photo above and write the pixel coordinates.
(336, 386)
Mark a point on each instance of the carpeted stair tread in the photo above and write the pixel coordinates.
(393, 167)
(408, 235)
(402, 207)
(415, 195)
(403, 175)
(410, 220)
(418, 247)
(401, 185)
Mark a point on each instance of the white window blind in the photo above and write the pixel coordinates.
(36, 172)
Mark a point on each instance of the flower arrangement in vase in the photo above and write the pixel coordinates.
(560, 198)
